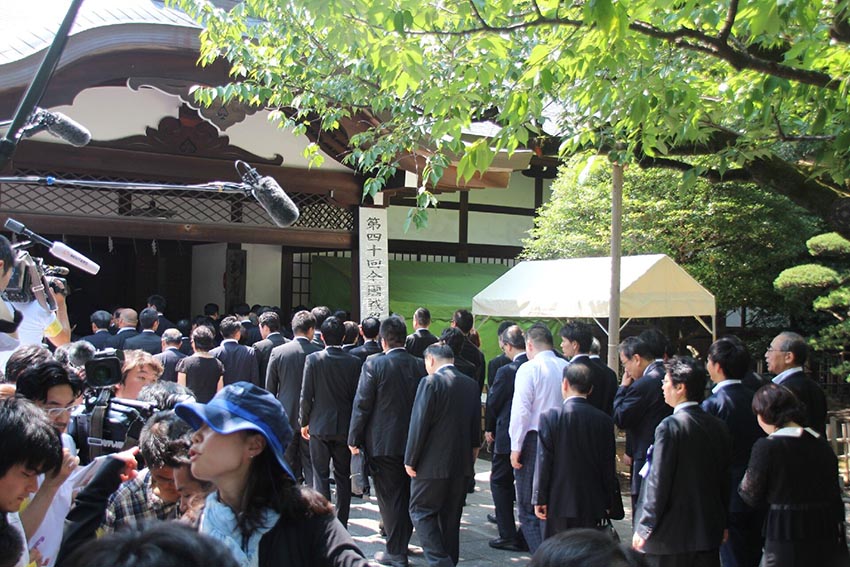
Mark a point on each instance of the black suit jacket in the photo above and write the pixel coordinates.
(732, 404)
(330, 382)
(99, 340)
(685, 495)
(118, 339)
(417, 341)
(250, 333)
(164, 324)
(471, 353)
(639, 409)
(494, 365)
(808, 392)
(263, 351)
(169, 358)
(186, 346)
(285, 374)
(445, 426)
(604, 383)
(239, 362)
(147, 341)
(366, 350)
(381, 411)
(575, 475)
(497, 414)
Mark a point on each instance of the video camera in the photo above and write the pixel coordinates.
(107, 424)
(31, 277)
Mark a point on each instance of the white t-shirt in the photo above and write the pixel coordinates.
(36, 324)
(15, 522)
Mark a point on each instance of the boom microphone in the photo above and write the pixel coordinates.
(270, 195)
(57, 249)
(58, 125)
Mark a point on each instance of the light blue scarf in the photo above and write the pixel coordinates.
(219, 522)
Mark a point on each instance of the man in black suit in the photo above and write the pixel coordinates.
(732, 401)
(379, 423)
(127, 321)
(100, 329)
(320, 313)
(284, 378)
(576, 339)
(147, 340)
(240, 362)
(250, 332)
(170, 355)
(270, 331)
(352, 333)
(453, 337)
(575, 480)
(369, 328)
(442, 445)
(639, 404)
(421, 337)
(501, 360)
(497, 417)
(462, 319)
(330, 382)
(681, 518)
(158, 303)
(785, 357)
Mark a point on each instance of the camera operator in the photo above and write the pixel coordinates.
(9, 319)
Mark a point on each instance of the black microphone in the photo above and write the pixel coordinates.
(270, 195)
(63, 127)
(57, 249)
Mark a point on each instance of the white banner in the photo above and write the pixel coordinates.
(374, 265)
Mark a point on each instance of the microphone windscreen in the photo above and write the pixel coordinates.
(275, 201)
(69, 130)
(69, 255)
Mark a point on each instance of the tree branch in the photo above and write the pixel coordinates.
(731, 14)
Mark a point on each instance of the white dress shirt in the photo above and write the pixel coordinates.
(537, 389)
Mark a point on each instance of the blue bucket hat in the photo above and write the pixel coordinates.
(243, 406)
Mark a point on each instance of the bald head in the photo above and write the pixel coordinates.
(128, 318)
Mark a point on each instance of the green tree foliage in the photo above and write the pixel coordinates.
(733, 238)
(758, 89)
(827, 285)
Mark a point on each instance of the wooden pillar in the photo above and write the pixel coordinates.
(463, 229)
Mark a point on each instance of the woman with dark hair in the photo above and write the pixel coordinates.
(584, 548)
(795, 473)
(202, 372)
(257, 510)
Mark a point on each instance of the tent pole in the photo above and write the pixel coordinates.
(604, 330)
(616, 252)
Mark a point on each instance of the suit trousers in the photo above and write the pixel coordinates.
(503, 491)
(555, 525)
(392, 488)
(298, 457)
(691, 559)
(436, 506)
(637, 482)
(531, 526)
(322, 450)
(743, 548)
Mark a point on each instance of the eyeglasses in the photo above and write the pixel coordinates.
(56, 412)
(771, 349)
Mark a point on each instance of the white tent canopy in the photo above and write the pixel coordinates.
(650, 286)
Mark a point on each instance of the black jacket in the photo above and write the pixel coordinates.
(639, 409)
(118, 339)
(497, 415)
(366, 350)
(604, 386)
(472, 353)
(494, 365)
(809, 392)
(384, 401)
(250, 333)
(263, 351)
(285, 374)
(147, 341)
(239, 363)
(169, 359)
(98, 340)
(417, 341)
(330, 382)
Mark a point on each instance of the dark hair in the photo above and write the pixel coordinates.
(453, 338)
(7, 254)
(27, 437)
(35, 382)
(164, 394)
(302, 322)
(320, 312)
(229, 327)
(584, 548)
(23, 357)
(271, 320)
(352, 331)
(796, 345)
(242, 309)
(172, 337)
(513, 336)
(631, 346)
(147, 318)
(540, 335)
(440, 350)
(370, 326)
(580, 333)
(342, 315)
(422, 316)
(595, 346)
(203, 338)
(255, 309)
(580, 377)
(393, 331)
(158, 302)
(658, 344)
(101, 319)
(501, 328)
(690, 372)
(161, 544)
(731, 356)
(184, 326)
(211, 309)
(332, 331)
(11, 543)
(777, 405)
(463, 320)
(80, 352)
(157, 436)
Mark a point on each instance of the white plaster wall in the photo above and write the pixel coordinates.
(518, 193)
(442, 225)
(505, 230)
(263, 281)
(208, 265)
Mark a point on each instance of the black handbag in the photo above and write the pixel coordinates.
(607, 526)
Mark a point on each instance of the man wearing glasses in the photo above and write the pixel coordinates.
(785, 357)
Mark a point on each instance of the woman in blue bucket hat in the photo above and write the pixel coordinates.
(258, 511)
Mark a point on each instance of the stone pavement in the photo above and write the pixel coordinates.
(475, 531)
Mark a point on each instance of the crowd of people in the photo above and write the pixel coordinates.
(258, 435)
